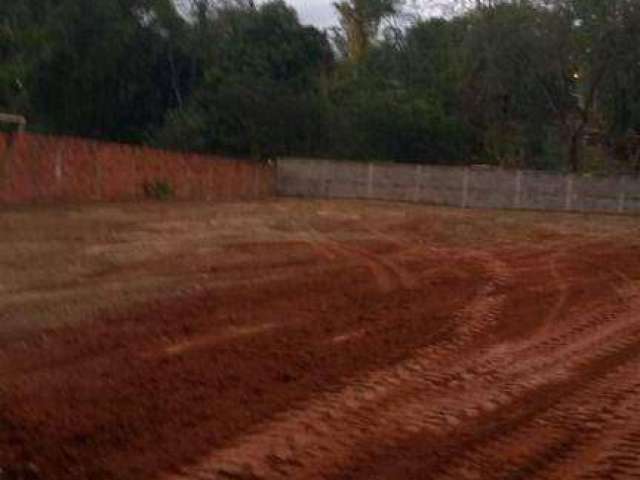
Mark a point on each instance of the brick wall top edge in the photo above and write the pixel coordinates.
(100, 144)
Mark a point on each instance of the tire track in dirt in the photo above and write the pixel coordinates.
(561, 285)
(210, 340)
(336, 427)
(613, 432)
(596, 338)
(403, 298)
(554, 427)
(553, 341)
(558, 402)
(562, 434)
(388, 274)
(334, 423)
(220, 284)
(618, 456)
(548, 349)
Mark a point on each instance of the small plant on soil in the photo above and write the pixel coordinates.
(159, 190)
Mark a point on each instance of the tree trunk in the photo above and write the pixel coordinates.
(174, 79)
(574, 152)
(575, 144)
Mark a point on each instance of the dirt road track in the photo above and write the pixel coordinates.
(358, 347)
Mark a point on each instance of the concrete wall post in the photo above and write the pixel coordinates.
(517, 200)
(465, 188)
(326, 188)
(622, 195)
(416, 192)
(370, 180)
(568, 203)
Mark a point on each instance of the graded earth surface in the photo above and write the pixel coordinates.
(317, 340)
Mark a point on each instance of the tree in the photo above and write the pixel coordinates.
(606, 35)
(360, 21)
(260, 93)
(528, 83)
(517, 81)
(619, 96)
(24, 43)
(403, 104)
(104, 69)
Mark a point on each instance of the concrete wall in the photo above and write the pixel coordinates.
(473, 187)
(40, 168)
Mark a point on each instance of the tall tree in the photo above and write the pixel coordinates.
(360, 21)
(604, 39)
(260, 91)
(112, 67)
(24, 44)
(517, 80)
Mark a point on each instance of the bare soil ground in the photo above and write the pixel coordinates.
(317, 340)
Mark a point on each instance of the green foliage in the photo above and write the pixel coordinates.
(394, 124)
(515, 80)
(24, 44)
(91, 67)
(360, 20)
(158, 190)
(260, 92)
(518, 83)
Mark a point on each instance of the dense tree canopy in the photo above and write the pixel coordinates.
(551, 84)
(261, 78)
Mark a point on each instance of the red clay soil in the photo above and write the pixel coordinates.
(381, 358)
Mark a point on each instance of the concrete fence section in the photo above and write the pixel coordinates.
(40, 168)
(466, 187)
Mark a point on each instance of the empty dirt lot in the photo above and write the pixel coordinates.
(317, 340)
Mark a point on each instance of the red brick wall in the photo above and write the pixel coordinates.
(41, 168)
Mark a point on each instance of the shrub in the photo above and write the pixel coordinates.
(158, 190)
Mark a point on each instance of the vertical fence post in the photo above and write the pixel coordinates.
(97, 171)
(568, 203)
(622, 195)
(621, 202)
(230, 179)
(416, 192)
(518, 195)
(11, 146)
(59, 171)
(5, 160)
(370, 180)
(465, 187)
(256, 172)
(208, 189)
(325, 178)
